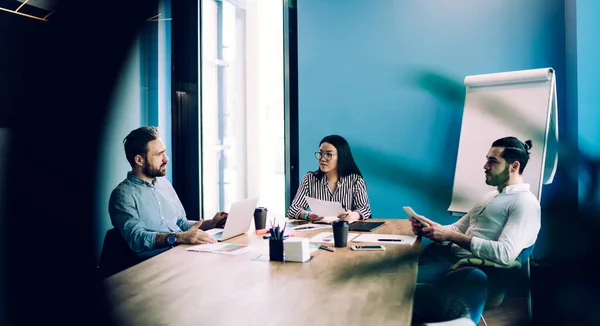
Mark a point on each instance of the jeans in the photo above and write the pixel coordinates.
(435, 262)
(435, 283)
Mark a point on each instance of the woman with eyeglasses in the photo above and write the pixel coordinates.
(337, 179)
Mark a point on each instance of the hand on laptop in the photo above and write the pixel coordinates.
(219, 219)
(195, 236)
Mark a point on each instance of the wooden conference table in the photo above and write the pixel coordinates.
(346, 287)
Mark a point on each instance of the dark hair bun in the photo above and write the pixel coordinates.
(528, 144)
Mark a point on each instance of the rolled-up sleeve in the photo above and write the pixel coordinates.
(125, 218)
(185, 224)
(299, 203)
(520, 231)
(182, 222)
(462, 224)
(360, 199)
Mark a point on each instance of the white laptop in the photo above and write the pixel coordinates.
(238, 221)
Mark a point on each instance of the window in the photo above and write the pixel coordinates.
(242, 101)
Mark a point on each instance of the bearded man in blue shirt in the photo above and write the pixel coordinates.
(145, 208)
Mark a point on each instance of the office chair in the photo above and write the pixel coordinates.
(116, 254)
(501, 277)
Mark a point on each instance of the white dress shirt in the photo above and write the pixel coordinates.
(501, 224)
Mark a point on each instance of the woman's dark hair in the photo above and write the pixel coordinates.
(346, 165)
(514, 150)
(136, 143)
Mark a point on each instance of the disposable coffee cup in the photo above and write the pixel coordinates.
(260, 218)
(340, 233)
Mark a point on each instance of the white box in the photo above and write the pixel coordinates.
(296, 249)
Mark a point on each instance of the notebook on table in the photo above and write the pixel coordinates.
(362, 226)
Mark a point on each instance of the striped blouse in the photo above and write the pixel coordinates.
(351, 192)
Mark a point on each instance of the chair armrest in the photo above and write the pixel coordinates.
(478, 262)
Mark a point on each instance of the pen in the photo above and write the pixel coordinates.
(305, 228)
(396, 240)
(327, 248)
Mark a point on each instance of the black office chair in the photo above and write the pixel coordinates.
(116, 254)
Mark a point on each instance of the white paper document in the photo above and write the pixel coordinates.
(327, 220)
(386, 238)
(309, 227)
(328, 209)
(221, 248)
(327, 237)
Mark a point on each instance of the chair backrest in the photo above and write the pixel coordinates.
(525, 254)
(502, 280)
(116, 254)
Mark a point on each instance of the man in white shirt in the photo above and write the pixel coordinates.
(503, 223)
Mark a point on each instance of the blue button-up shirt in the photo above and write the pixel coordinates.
(140, 210)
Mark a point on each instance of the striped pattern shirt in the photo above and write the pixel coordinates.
(351, 192)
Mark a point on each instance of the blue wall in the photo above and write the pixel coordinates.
(588, 70)
(126, 114)
(142, 98)
(357, 60)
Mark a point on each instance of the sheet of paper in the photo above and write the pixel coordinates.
(328, 209)
(221, 248)
(327, 220)
(327, 237)
(309, 227)
(386, 238)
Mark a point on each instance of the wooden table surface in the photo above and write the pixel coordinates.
(345, 287)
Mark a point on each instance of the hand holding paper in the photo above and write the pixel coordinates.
(416, 216)
(329, 210)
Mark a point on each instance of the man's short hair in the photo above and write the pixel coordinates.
(136, 143)
(514, 150)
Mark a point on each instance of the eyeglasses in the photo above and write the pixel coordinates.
(324, 155)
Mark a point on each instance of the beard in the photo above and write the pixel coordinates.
(152, 172)
(498, 179)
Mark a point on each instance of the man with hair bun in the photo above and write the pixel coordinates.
(503, 222)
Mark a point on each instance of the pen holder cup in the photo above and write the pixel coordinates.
(260, 218)
(275, 250)
(340, 233)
